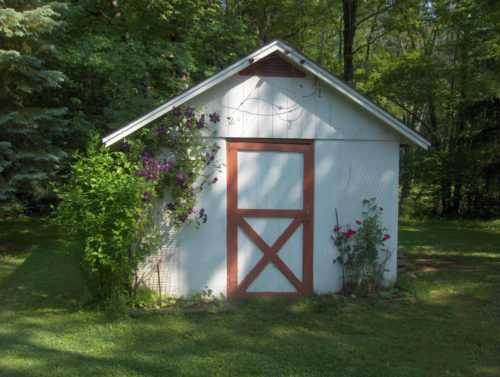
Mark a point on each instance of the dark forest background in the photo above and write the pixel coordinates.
(70, 69)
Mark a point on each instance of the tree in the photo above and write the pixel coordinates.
(32, 128)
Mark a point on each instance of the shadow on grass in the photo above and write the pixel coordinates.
(258, 338)
(43, 272)
(453, 329)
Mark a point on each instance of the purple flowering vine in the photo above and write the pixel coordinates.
(180, 134)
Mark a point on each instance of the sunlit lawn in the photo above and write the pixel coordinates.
(453, 328)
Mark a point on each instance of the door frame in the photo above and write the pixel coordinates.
(304, 217)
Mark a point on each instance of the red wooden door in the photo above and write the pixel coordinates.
(273, 175)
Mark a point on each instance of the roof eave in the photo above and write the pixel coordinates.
(297, 58)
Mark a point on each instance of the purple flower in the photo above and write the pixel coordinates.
(177, 112)
(202, 212)
(201, 122)
(214, 117)
(189, 123)
(181, 178)
(161, 131)
(151, 168)
(165, 166)
(124, 146)
(189, 112)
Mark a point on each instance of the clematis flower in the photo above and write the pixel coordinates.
(214, 118)
(177, 112)
(201, 122)
(181, 178)
(189, 112)
(160, 131)
(165, 166)
(146, 196)
(124, 146)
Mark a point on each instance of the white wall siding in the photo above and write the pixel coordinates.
(356, 157)
(346, 172)
(202, 251)
(287, 107)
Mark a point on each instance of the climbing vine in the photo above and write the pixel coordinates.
(178, 160)
(112, 194)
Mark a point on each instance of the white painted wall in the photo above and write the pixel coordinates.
(284, 107)
(356, 157)
(347, 172)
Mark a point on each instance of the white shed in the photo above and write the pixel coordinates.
(296, 144)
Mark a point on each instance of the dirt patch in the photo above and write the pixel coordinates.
(6, 248)
(442, 264)
(410, 265)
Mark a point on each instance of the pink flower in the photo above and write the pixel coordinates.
(336, 228)
(349, 233)
(359, 222)
(386, 237)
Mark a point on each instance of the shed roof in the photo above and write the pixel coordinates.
(293, 56)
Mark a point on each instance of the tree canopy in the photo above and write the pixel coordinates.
(71, 68)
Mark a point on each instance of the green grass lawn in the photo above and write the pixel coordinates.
(452, 329)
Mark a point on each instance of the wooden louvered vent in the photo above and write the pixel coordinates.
(273, 65)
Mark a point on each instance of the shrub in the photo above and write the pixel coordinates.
(103, 205)
(362, 251)
(107, 202)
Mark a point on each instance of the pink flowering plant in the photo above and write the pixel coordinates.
(362, 250)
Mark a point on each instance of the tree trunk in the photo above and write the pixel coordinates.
(349, 12)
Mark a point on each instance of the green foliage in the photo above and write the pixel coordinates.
(109, 203)
(434, 64)
(451, 329)
(71, 68)
(362, 252)
(102, 204)
(33, 131)
(120, 59)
